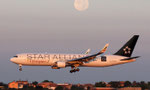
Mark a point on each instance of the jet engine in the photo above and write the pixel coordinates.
(59, 65)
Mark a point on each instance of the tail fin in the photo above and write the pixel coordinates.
(128, 48)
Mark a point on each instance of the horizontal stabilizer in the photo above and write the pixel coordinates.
(130, 58)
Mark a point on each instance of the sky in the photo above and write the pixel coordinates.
(55, 26)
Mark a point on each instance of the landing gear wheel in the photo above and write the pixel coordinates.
(20, 67)
(71, 71)
(77, 69)
(74, 70)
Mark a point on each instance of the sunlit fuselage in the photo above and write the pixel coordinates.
(51, 59)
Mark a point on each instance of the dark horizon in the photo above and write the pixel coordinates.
(46, 84)
(33, 26)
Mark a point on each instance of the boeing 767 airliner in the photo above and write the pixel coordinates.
(58, 61)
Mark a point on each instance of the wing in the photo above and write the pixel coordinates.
(80, 61)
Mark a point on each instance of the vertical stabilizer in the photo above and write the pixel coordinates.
(128, 48)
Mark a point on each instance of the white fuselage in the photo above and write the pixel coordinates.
(34, 59)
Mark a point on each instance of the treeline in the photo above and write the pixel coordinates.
(27, 87)
(114, 84)
(74, 87)
(118, 84)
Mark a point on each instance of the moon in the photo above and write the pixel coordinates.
(81, 5)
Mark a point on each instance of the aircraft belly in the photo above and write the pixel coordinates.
(97, 64)
(36, 64)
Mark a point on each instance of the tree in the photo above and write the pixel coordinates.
(74, 87)
(25, 87)
(88, 88)
(148, 85)
(143, 85)
(35, 83)
(80, 88)
(59, 88)
(127, 84)
(3, 84)
(100, 84)
(39, 88)
(114, 84)
(46, 81)
(134, 84)
(30, 88)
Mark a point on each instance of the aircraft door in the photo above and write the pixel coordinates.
(103, 58)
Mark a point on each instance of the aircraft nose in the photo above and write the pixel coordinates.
(12, 60)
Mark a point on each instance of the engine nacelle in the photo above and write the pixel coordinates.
(58, 65)
(61, 64)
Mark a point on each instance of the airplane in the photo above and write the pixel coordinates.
(58, 61)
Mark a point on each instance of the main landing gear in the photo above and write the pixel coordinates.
(20, 67)
(74, 70)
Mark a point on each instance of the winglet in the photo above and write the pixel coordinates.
(104, 49)
(87, 52)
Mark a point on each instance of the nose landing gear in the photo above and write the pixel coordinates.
(20, 67)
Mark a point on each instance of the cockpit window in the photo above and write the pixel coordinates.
(16, 56)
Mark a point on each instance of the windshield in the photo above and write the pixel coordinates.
(16, 56)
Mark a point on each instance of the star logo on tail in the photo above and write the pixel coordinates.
(127, 50)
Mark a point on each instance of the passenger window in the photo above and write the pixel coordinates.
(103, 58)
